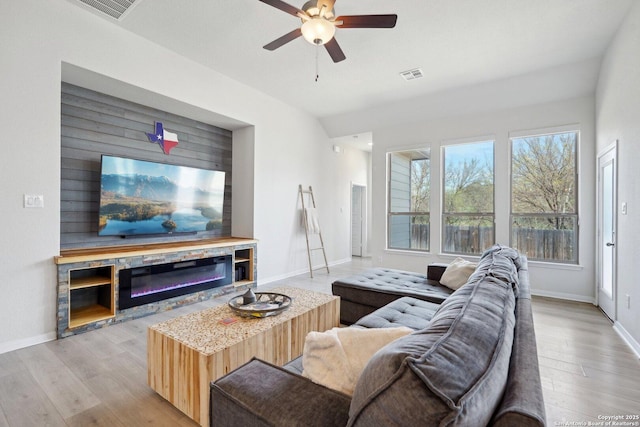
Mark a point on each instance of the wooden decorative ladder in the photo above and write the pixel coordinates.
(311, 227)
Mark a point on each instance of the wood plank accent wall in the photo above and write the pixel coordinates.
(93, 124)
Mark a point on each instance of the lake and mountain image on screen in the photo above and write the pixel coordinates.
(141, 197)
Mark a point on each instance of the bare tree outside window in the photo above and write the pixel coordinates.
(409, 199)
(544, 216)
(468, 210)
(420, 185)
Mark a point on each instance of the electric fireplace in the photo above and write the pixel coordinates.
(144, 285)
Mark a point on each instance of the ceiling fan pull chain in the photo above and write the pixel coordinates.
(317, 72)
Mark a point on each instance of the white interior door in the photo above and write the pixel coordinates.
(607, 231)
(358, 194)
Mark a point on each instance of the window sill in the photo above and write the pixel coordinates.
(447, 256)
(555, 265)
(536, 264)
(408, 252)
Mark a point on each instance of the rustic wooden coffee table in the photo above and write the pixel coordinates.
(186, 353)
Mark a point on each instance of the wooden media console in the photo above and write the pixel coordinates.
(89, 279)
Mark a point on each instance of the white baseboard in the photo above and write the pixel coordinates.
(263, 281)
(626, 336)
(564, 296)
(340, 261)
(299, 272)
(6, 347)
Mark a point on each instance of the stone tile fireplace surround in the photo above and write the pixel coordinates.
(89, 280)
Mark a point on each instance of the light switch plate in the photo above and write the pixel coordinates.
(33, 201)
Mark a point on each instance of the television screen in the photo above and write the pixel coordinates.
(141, 197)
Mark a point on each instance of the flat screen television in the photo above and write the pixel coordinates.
(139, 197)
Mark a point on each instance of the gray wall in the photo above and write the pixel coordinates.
(93, 124)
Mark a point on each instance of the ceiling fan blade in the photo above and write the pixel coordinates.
(366, 21)
(334, 50)
(284, 39)
(285, 7)
(327, 4)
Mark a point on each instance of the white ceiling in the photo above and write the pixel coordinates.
(457, 43)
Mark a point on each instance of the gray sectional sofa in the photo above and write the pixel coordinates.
(471, 361)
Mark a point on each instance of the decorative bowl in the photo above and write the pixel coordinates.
(266, 304)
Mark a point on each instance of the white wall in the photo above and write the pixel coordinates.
(44, 42)
(352, 166)
(280, 169)
(573, 282)
(618, 117)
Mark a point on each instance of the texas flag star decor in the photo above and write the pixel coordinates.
(165, 139)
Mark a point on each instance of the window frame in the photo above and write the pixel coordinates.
(573, 128)
(443, 214)
(391, 214)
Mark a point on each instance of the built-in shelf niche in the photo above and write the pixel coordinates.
(243, 267)
(91, 295)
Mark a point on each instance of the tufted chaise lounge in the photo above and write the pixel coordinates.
(366, 292)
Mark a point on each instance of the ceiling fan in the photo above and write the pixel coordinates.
(319, 24)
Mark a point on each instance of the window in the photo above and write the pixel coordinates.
(409, 198)
(468, 212)
(544, 215)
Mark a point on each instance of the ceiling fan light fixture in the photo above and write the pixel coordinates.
(318, 30)
(319, 25)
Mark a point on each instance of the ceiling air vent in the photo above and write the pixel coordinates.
(112, 8)
(416, 73)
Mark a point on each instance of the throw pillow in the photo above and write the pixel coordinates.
(457, 273)
(337, 357)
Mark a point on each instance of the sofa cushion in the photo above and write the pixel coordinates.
(261, 394)
(406, 311)
(457, 273)
(500, 262)
(455, 370)
(335, 358)
(522, 404)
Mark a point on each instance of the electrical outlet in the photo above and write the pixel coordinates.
(628, 301)
(33, 201)
(624, 208)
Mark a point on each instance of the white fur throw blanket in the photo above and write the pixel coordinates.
(337, 357)
(313, 225)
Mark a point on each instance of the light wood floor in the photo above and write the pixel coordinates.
(99, 378)
(587, 370)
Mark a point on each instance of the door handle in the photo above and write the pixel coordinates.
(610, 244)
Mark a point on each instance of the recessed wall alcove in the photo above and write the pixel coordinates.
(94, 123)
(135, 90)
